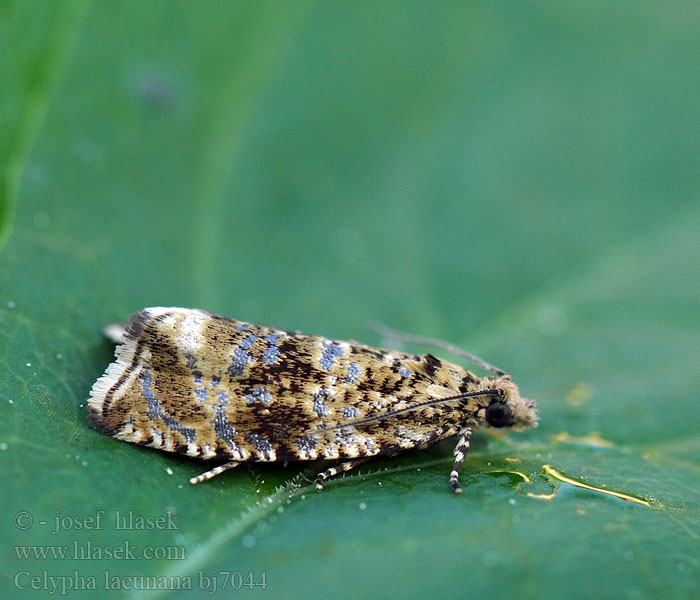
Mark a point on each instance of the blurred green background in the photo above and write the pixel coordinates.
(518, 178)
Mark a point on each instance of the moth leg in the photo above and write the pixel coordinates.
(339, 468)
(460, 452)
(214, 472)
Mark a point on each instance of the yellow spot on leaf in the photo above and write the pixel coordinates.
(554, 474)
(526, 479)
(543, 496)
(579, 394)
(592, 439)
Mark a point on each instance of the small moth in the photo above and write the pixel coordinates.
(199, 384)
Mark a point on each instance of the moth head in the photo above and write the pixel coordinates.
(506, 408)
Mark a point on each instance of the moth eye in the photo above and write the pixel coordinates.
(498, 414)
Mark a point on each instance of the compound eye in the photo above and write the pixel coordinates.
(498, 414)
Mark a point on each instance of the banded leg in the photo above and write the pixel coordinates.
(460, 452)
(339, 468)
(214, 472)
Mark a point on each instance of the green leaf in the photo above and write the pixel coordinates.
(519, 181)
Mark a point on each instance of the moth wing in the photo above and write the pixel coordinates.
(192, 382)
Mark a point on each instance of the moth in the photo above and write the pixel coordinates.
(199, 384)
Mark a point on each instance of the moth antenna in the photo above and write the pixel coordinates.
(436, 343)
(393, 413)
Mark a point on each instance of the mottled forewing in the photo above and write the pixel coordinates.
(203, 385)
